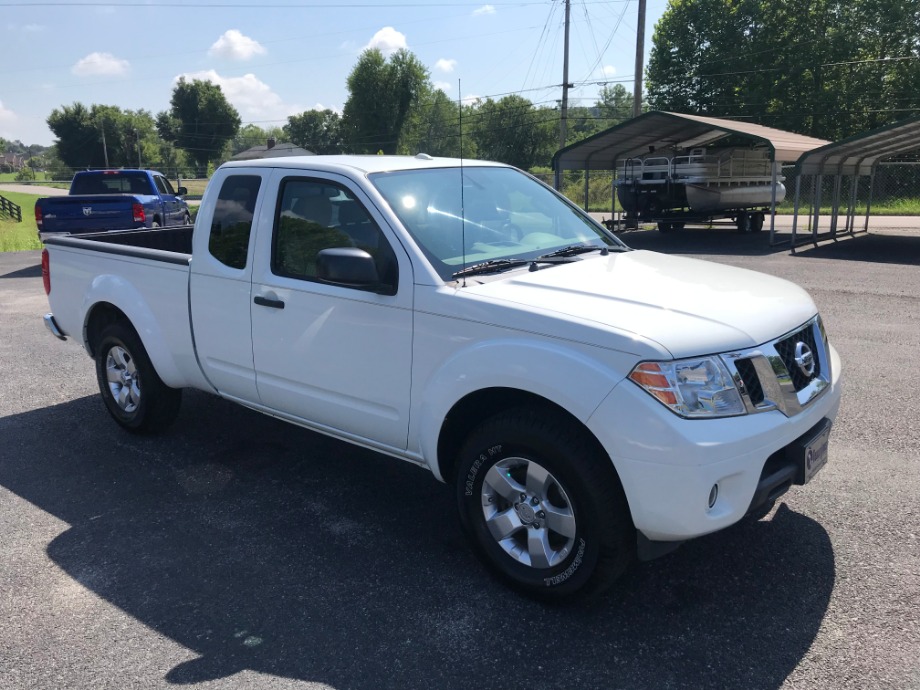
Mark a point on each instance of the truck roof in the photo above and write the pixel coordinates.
(359, 163)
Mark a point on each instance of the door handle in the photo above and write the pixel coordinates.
(266, 302)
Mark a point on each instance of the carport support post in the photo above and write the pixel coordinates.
(819, 184)
(869, 202)
(795, 208)
(835, 207)
(851, 211)
(587, 174)
(773, 179)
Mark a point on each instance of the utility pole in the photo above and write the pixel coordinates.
(563, 122)
(137, 140)
(640, 60)
(105, 149)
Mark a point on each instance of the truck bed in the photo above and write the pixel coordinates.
(175, 240)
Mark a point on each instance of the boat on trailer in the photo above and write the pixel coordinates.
(699, 187)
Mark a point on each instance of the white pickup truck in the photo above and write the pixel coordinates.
(590, 403)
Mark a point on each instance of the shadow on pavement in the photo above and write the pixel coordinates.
(873, 247)
(28, 272)
(262, 546)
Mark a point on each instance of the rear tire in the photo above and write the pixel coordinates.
(542, 507)
(132, 391)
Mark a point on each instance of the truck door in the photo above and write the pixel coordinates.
(338, 357)
(173, 212)
(220, 284)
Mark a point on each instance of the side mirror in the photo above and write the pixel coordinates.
(351, 267)
(182, 191)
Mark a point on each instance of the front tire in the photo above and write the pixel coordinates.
(132, 391)
(542, 506)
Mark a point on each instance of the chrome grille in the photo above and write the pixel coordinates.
(770, 378)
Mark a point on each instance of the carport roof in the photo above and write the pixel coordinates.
(859, 154)
(664, 130)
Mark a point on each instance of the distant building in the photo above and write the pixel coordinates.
(11, 161)
(271, 150)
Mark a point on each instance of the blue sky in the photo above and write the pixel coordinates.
(281, 57)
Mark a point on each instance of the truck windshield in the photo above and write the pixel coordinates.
(111, 182)
(491, 212)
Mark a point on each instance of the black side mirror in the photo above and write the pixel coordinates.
(182, 191)
(351, 267)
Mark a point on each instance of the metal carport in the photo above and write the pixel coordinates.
(658, 130)
(856, 157)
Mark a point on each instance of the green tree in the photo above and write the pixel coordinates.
(317, 131)
(381, 95)
(200, 121)
(102, 134)
(434, 127)
(511, 130)
(829, 68)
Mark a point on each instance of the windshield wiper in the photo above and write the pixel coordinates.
(574, 249)
(491, 266)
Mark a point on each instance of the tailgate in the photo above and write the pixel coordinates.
(88, 213)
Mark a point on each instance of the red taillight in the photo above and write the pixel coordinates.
(46, 271)
(139, 215)
(38, 216)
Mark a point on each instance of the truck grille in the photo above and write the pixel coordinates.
(786, 349)
(785, 374)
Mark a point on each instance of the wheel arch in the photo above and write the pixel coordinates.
(478, 406)
(126, 306)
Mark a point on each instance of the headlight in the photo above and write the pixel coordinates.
(699, 387)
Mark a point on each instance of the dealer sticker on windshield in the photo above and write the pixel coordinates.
(815, 453)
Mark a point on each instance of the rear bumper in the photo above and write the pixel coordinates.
(52, 326)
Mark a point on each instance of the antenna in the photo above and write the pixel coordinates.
(462, 206)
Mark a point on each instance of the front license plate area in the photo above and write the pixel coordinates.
(810, 452)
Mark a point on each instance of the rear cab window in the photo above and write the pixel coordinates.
(231, 224)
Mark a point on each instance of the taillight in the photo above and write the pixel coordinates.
(139, 215)
(38, 217)
(46, 271)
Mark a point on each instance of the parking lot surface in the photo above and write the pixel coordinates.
(236, 551)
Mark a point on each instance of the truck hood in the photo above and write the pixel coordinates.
(687, 306)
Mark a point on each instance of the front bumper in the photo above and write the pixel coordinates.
(668, 465)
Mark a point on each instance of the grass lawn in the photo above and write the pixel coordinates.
(16, 237)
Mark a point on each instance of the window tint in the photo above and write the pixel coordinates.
(232, 221)
(163, 185)
(112, 182)
(314, 215)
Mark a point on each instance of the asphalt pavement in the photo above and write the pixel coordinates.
(236, 551)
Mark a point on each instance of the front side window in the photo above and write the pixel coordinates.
(231, 225)
(480, 213)
(314, 215)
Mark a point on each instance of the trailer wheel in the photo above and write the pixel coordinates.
(757, 220)
(743, 221)
(664, 226)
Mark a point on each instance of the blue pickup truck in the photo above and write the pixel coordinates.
(103, 200)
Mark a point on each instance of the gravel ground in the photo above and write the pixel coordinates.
(236, 551)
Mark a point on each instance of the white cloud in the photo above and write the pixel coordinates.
(101, 64)
(255, 100)
(233, 45)
(445, 65)
(609, 70)
(472, 99)
(445, 86)
(485, 9)
(7, 119)
(388, 40)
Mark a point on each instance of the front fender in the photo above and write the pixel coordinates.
(574, 377)
(123, 295)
